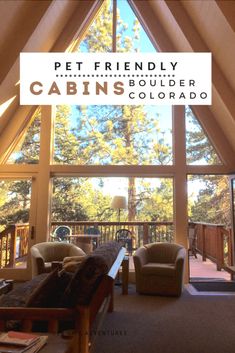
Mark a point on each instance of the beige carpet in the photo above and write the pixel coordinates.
(151, 324)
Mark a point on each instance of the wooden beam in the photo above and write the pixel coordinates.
(209, 169)
(113, 170)
(114, 30)
(19, 168)
(77, 24)
(227, 7)
(44, 181)
(19, 30)
(152, 26)
(180, 181)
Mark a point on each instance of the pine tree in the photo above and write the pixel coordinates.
(118, 134)
(212, 204)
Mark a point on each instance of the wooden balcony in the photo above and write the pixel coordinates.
(211, 243)
(14, 245)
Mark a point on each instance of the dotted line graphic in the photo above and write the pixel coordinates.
(114, 75)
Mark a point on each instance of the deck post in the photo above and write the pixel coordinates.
(203, 235)
(12, 254)
(230, 248)
(219, 249)
(146, 233)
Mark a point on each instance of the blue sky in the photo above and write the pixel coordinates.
(128, 17)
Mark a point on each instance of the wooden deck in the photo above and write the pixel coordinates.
(205, 269)
(200, 269)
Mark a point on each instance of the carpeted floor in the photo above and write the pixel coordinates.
(152, 324)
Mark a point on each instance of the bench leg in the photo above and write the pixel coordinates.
(125, 275)
(111, 300)
(84, 331)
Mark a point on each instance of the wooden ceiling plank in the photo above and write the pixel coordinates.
(21, 28)
(84, 15)
(198, 45)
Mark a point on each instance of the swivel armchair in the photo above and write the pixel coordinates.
(159, 269)
(43, 254)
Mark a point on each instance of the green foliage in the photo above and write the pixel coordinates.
(27, 151)
(198, 147)
(76, 199)
(154, 199)
(66, 144)
(212, 203)
(116, 135)
(14, 202)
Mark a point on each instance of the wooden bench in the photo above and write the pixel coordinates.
(83, 316)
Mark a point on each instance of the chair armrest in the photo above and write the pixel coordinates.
(38, 265)
(140, 258)
(179, 262)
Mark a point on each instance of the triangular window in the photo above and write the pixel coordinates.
(108, 134)
(27, 147)
(130, 35)
(199, 149)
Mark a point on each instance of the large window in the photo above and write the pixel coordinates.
(116, 135)
(90, 199)
(15, 199)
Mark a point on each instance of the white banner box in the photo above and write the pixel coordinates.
(115, 78)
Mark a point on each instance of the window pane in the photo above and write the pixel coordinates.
(208, 199)
(87, 204)
(199, 150)
(28, 148)
(89, 199)
(113, 135)
(14, 222)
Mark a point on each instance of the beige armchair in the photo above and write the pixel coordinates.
(43, 254)
(159, 269)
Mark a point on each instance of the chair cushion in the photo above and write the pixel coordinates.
(158, 269)
(162, 252)
(57, 251)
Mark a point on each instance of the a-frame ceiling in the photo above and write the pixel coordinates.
(172, 25)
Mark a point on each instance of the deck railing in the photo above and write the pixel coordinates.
(212, 241)
(142, 232)
(13, 244)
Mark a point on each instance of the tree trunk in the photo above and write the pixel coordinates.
(131, 199)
